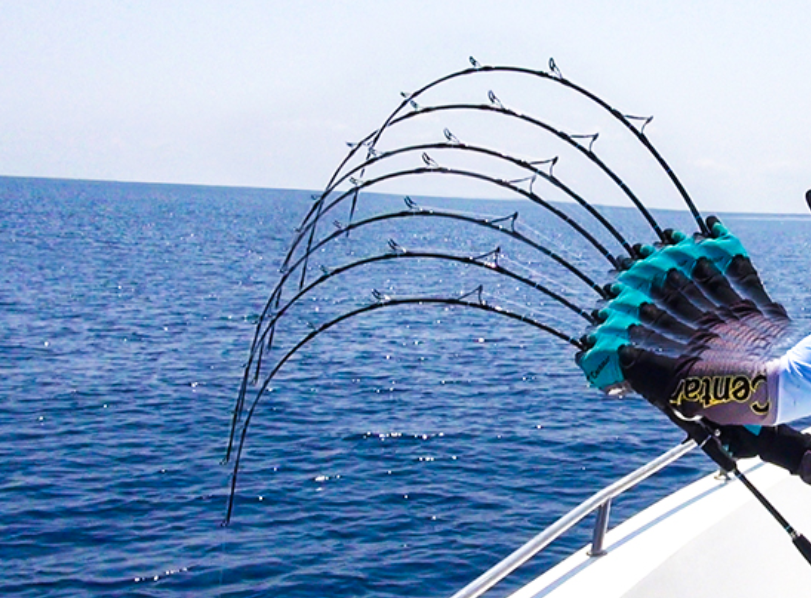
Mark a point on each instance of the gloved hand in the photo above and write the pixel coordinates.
(653, 375)
(739, 441)
(781, 445)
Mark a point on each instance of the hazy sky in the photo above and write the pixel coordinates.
(266, 93)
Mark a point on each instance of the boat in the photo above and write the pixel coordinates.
(710, 539)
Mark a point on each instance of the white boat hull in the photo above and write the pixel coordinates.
(711, 539)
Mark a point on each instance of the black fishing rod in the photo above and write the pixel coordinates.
(374, 156)
(492, 224)
(640, 135)
(265, 338)
(409, 100)
(586, 151)
(384, 302)
(436, 169)
(370, 141)
(416, 212)
(258, 344)
(530, 166)
(800, 541)
(708, 440)
(400, 253)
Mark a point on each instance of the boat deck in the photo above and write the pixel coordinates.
(710, 539)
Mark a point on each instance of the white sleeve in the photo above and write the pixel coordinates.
(794, 394)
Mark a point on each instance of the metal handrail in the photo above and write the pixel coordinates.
(600, 500)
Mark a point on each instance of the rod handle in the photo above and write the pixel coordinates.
(803, 545)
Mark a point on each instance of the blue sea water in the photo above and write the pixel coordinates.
(401, 453)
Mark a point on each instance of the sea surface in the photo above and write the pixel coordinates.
(400, 453)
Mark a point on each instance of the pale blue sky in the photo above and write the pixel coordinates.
(267, 93)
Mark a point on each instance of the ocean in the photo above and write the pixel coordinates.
(400, 453)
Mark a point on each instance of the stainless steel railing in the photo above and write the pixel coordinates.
(601, 501)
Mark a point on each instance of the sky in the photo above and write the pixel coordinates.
(267, 93)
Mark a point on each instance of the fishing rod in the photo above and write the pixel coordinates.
(261, 339)
(586, 151)
(383, 302)
(409, 100)
(414, 211)
(571, 139)
(374, 156)
(490, 223)
(436, 169)
(530, 166)
(399, 253)
(417, 212)
(799, 540)
(371, 140)
(708, 440)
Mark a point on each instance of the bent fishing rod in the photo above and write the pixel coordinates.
(415, 211)
(530, 166)
(264, 339)
(409, 100)
(532, 196)
(399, 253)
(571, 139)
(381, 303)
